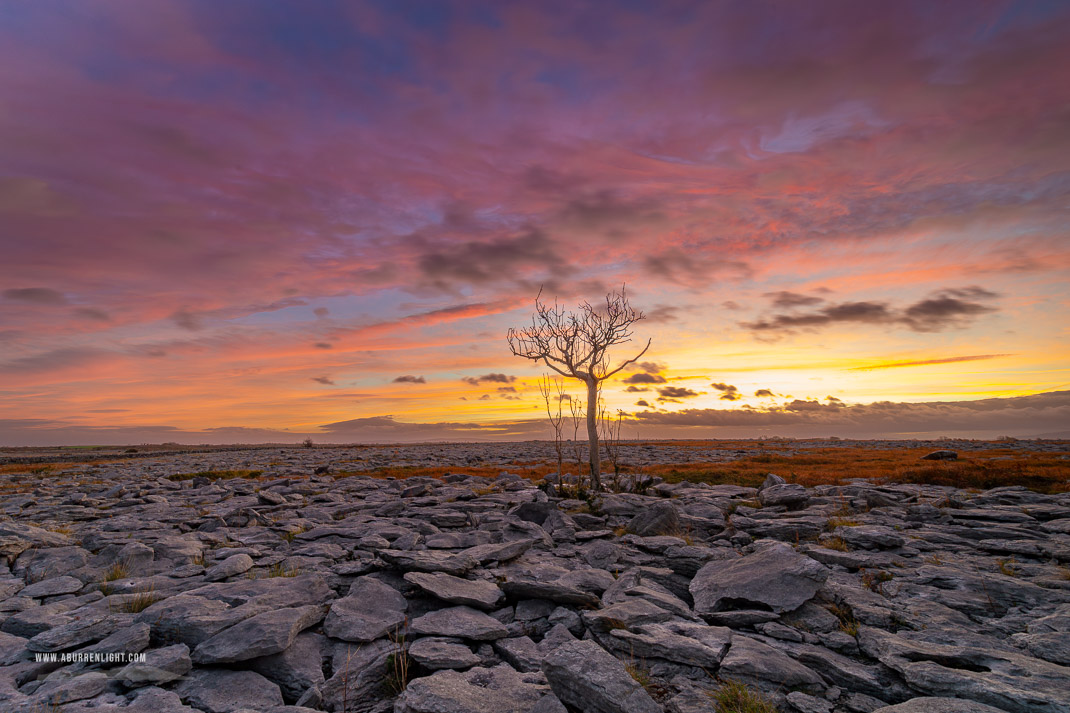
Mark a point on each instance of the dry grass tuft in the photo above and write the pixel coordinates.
(834, 543)
(1006, 566)
(737, 697)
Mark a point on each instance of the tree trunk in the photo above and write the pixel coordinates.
(592, 433)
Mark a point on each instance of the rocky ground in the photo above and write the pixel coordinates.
(294, 591)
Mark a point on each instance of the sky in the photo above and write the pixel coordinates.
(266, 220)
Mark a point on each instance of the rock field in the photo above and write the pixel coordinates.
(297, 591)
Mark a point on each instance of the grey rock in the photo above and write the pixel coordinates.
(661, 518)
(430, 561)
(753, 662)
(51, 587)
(297, 668)
(81, 630)
(223, 691)
(1051, 646)
(362, 678)
(774, 577)
(473, 593)
(501, 552)
(871, 537)
(939, 705)
(583, 675)
(554, 591)
(369, 611)
(808, 704)
(230, 567)
(1015, 683)
(479, 690)
(190, 619)
(66, 690)
(461, 622)
(628, 614)
(771, 479)
(435, 654)
(689, 644)
(130, 639)
(51, 561)
(520, 652)
(788, 494)
(260, 635)
(160, 666)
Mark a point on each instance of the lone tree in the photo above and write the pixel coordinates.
(576, 345)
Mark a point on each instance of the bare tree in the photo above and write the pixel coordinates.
(575, 409)
(548, 386)
(576, 345)
(609, 427)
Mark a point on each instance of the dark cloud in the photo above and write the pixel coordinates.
(507, 389)
(663, 313)
(97, 315)
(55, 360)
(948, 308)
(675, 392)
(35, 295)
(786, 300)
(489, 379)
(764, 393)
(645, 378)
(732, 305)
(323, 345)
(650, 367)
(410, 379)
(480, 263)
(942, 310)
(636, 390)
(607, 212)
(321, 312)
(728, 392)
(485, 397)
(644, 403)
(693, 269)
(323, 380)
(188, 320)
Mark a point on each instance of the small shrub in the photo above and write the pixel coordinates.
(833, 522)
(307, 443)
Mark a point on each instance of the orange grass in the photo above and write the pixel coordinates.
(981, 469)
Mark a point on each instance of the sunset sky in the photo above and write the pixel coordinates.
(261, 220)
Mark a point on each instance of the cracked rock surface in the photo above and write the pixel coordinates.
(294, 590)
